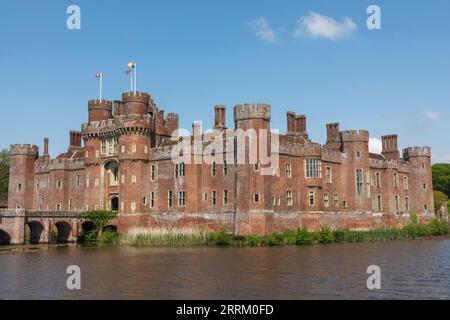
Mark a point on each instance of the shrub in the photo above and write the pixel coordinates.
(100, 219)
(438, 228)
(222, 238)
(303, 237)
(53, 236)
(414, 218)
(252, 240)
(275, 240)
(326, 234)
(108, 236)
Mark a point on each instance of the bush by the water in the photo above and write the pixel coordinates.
(326, 235)
(303, 237)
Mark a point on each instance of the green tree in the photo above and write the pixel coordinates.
(4, 171)
(439, 197)
(441, 177)
(100, 219)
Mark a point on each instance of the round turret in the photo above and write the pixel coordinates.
(135, 103)
(100, 110)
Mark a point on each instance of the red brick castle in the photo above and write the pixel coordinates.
(125, 165)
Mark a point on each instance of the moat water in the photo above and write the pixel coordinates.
(409, 270)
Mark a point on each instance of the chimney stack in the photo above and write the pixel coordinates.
(291, 122)
(390, 147)
(46, 148)
(301, 125)
(75, 141)
(197, 128)
(219, 122)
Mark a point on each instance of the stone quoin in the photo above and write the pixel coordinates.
(121, 160)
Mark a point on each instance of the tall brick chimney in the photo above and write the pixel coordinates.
(197, 128)
(291, 122)
(45, 148)
(390, 147)
(301, 125)
(75, 140)
(219, 122)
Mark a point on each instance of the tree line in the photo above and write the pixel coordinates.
(441, 183)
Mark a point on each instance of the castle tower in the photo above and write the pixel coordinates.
(134, 148)
(135, 103)
(420, 180)
(252, 120)
(99, 110)
(356, 164)
(21, 176)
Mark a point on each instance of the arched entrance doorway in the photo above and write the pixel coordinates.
(114, 203)
(35, 230)
(5, 238)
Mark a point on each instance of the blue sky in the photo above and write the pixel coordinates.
(311, 57)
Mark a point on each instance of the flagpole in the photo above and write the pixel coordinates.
(101, 86)
(135, 71)
(131, 82)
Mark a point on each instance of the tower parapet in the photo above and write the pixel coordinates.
(24, 150)
(21, 175)
(99, 110)
(355, 136)
(251, 111)
(416, 152)
(135, 103)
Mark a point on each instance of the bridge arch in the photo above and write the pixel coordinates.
(110, 227)
(5, 238)
(64, 230)
(36, 230)
(85, 228)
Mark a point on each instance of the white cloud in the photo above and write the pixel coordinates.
(375, 145)
(316, 25)
(432, 115)
(262, 30)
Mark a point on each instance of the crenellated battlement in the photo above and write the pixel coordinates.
(416, 152)
(59, 164)
(355, 136)
(143, 97)
(171, 120)
(252, 111)
(24, 149)
(100, 104)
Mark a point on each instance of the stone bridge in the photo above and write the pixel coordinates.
(67, 226)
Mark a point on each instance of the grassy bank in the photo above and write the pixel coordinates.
(190, 237)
